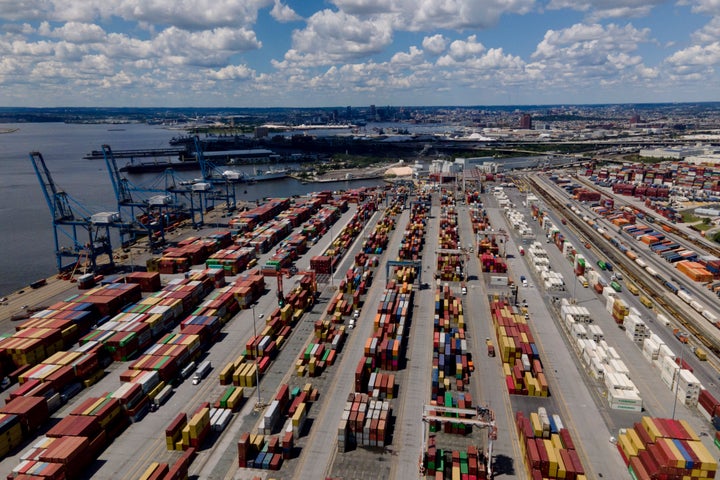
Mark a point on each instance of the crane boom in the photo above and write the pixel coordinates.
(65, 222)
(57, 200)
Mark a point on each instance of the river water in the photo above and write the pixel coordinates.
(26, 233)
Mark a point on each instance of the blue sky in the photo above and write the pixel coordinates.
(313, 53)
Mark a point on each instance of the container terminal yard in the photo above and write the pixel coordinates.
(529, 325)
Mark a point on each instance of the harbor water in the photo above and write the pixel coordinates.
(26, 233)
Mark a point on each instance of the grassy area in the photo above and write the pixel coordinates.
(689, 217)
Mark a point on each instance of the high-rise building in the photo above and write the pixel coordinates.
(526, 122)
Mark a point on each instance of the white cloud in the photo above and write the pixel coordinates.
(187, 14)
(410, 58)
(709, 33)
(582, 55)
(15, 10)
(460, 49)
(600, 9)
(435, 44)
(331, 37)
(427, 15)
(710, 7)
(75, 32)
(695, 58)
(283, 13)
(232, 72)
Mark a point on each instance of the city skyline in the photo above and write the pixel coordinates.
(315, 53)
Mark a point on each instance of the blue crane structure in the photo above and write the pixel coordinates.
(148, 216)
(67, 224)
(211, 174)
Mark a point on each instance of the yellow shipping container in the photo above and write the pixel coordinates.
(93, 407)
(529, 384)
(235, 399)
(556, 441)
(285, 313)
(626, 445)
(678, 459)
(634, 438)
(299, 414)
(186, 435)
(226, 374)
(535, 423)
(257, 440)
(158, 388)
(149, 471)
(239, 375)
(707, 460)
(70, 331)
(552, 458)
(648, 424)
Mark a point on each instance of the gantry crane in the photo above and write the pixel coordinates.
(67, 224)
(211, 174)
(157, 206)
(482, 417)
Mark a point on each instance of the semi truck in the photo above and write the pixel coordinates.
(202, 372)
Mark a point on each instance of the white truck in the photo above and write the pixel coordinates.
(201, 372)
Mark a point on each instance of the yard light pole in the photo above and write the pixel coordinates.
(257, 370)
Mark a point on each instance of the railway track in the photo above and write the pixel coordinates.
(654, 290)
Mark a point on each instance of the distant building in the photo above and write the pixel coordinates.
(675, 153)
(420, 169)
(526, 122)
(707, 212)
(485, 164)
(261, 132)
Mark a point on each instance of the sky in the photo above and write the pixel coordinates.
(327, 53)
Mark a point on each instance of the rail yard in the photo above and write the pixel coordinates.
(524, 327)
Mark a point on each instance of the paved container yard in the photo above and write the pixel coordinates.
(575, 394)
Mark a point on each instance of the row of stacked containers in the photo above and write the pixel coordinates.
(257, 231)
(547, 447)
(665, 448)
(413, 241)
(266, 449)
(117, 337)
(112, 411)
(367, 414)
(521, 360)
(452, 366)
(261, 450)
(327, 262)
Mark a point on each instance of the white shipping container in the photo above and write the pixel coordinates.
(610, 303)
(665, 351)
(578, 330)
(597, 368)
